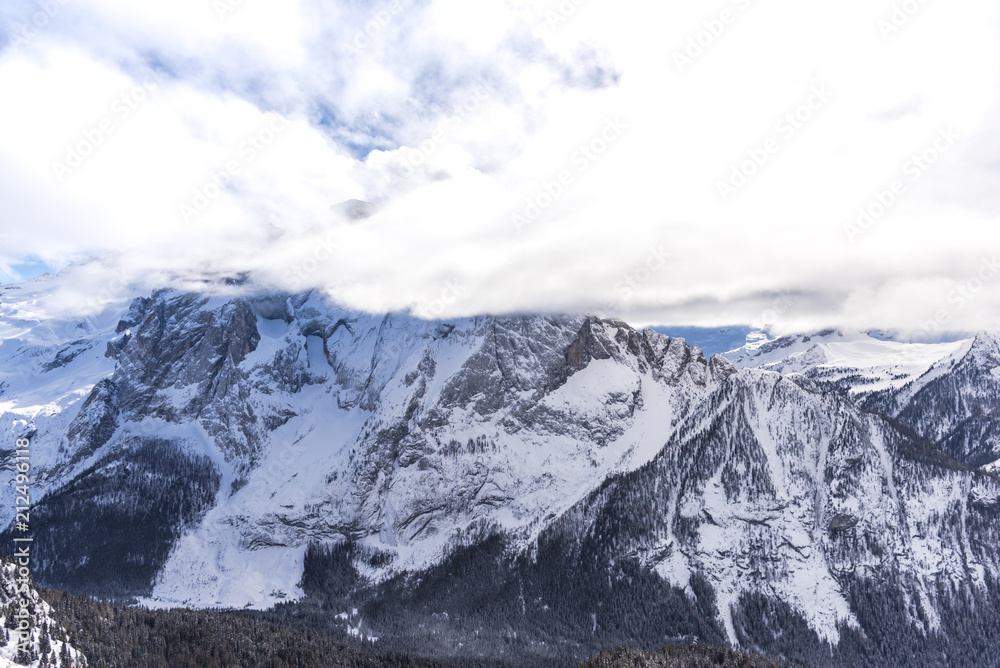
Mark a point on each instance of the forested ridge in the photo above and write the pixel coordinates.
(116, 636)
(694, 656)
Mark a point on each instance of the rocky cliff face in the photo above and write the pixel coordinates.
(327, 425)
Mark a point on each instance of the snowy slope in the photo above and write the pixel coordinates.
(854, 362)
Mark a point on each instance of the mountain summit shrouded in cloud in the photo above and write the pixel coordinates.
(533, 153)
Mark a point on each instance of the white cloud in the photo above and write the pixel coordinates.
(391, 122)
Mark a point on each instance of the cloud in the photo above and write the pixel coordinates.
(532, 155)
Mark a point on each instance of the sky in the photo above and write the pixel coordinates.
(767, 163)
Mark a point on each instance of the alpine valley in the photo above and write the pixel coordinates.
(530, 488)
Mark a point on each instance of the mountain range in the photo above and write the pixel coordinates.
(536, 486)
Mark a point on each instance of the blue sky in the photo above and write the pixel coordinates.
(28, 268)
(783, 164)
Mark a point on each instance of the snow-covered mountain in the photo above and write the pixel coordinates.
(294, 421)
(855, 363)
(808, 497)
(775, 489)
(948, 393)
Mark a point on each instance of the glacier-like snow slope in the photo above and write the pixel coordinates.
(856, 361)
(326, 425)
